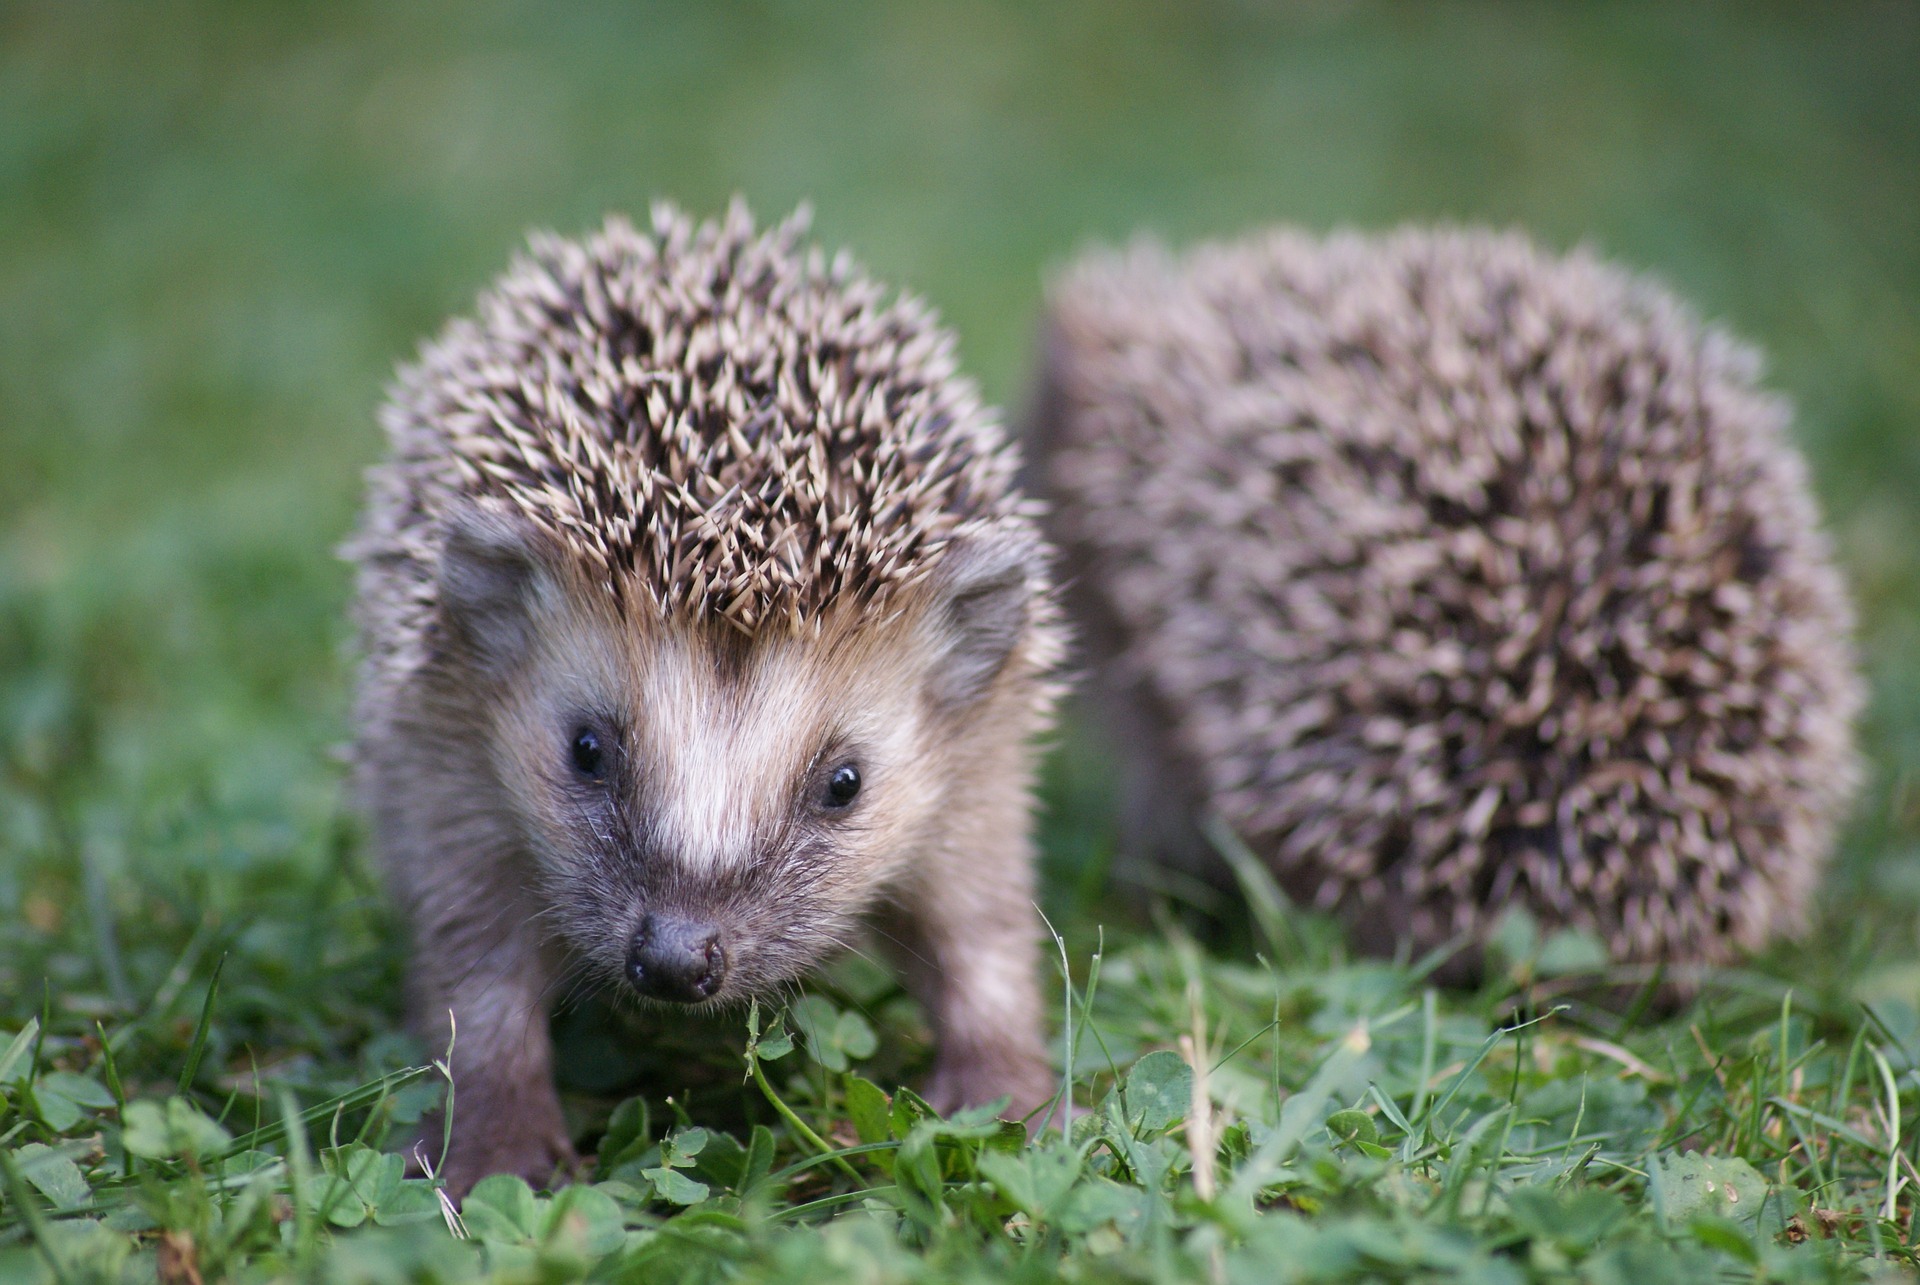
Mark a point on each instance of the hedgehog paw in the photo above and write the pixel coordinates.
(545, 1159)
(988, 1076)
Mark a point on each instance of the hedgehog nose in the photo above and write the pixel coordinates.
(676, 959)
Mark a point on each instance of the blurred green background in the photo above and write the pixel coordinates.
(220, 225)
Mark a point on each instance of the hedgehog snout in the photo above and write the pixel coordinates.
(676, 958)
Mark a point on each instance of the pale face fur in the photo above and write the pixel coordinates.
(713, 801)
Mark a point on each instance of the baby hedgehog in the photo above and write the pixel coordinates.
(702, 623)
(1452, 576)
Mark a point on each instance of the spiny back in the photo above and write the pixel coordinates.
(1468, 575)
(720, 423)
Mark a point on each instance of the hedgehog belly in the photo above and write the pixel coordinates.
(1455, 576)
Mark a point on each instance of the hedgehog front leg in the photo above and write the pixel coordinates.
(967, 936)
(479, 983)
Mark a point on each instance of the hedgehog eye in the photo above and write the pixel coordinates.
(843, 785)
(588, 758)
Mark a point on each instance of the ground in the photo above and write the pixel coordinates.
(220, 225)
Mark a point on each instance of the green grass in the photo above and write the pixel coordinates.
(221, 224)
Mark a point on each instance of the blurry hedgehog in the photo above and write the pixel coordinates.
(702, 623)
(1452, 576)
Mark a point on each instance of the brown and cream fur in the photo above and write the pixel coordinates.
(728, 508)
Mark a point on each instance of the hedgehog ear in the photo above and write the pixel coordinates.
(985, 586)
(493, 574)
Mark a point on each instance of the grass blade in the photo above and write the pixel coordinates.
(365, 1095)
(198, 1048)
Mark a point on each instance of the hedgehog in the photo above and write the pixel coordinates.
(704, 631)
(1450, 576)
